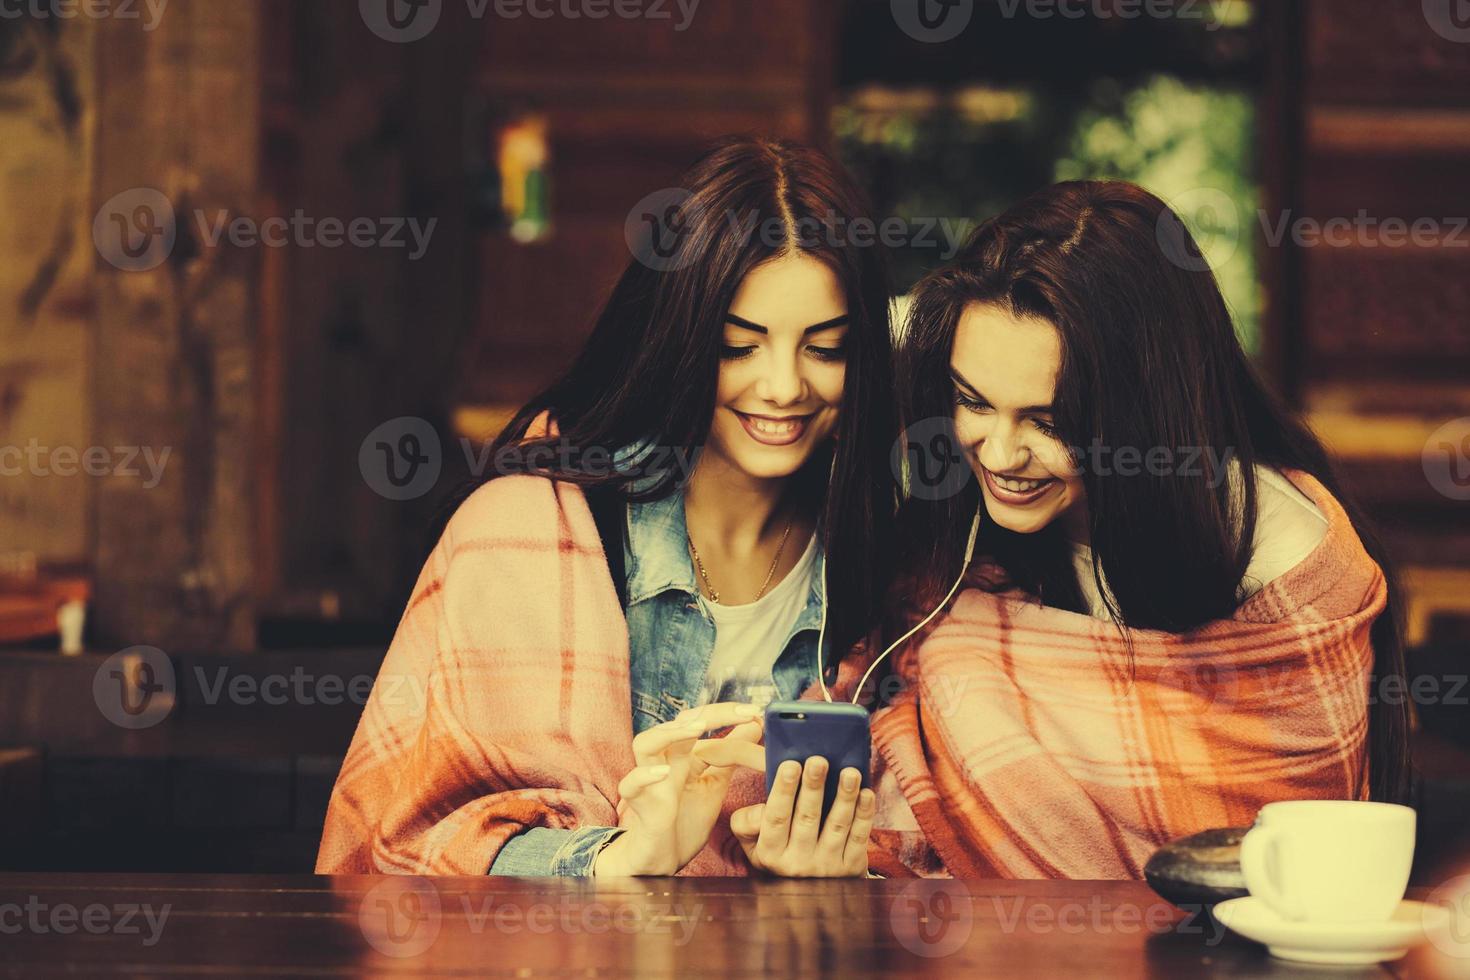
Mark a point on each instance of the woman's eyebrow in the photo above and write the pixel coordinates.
(959, 379)
(740, 321)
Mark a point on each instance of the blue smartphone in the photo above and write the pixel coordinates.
(836, 732)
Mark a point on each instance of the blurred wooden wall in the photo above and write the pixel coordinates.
(1382, 354)
(177, 114)
(46, 278)
(353, 125)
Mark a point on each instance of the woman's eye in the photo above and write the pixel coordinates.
(965, 401)
(1044, 427)
(828, 353)
(729, 353)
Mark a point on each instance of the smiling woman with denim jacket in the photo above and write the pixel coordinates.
(749, 343)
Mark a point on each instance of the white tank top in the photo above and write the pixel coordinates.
(1288, 529)
(749, 638)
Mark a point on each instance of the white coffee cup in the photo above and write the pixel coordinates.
(1330, 860)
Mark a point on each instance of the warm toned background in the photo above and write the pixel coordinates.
(265, 550)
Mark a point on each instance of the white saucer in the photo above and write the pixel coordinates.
(1333, 942)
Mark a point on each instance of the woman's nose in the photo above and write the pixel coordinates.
(1002, 450)
(782, 383)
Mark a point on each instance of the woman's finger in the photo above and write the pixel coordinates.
(722, 752)
(776, 816)
(649, 746)
(750, 731)
(856, 855)
(738, 748)
(640, 779)
(839, 822)
(807, 818)
(745, 823)
(721, 714)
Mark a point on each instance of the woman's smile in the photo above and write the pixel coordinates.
(1015, 491)
(775, 430)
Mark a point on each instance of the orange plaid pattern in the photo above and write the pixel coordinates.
(1029, 743)
(503, 702)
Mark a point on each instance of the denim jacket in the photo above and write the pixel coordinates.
(670, 642)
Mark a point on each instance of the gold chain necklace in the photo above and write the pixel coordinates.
(714, 596)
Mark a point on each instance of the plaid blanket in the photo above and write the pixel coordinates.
(1029, 743)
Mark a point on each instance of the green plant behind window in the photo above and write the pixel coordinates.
(1192, 146)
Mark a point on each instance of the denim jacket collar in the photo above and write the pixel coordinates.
(659, 557)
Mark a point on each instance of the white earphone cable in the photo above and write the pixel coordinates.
(822, 628)
(821, 672)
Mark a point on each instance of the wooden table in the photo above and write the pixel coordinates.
(246, 925)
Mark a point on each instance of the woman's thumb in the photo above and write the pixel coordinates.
(745, 823)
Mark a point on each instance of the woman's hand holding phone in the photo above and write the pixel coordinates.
(670, 801)
(785, 836)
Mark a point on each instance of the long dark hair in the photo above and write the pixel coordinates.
(1150, 357)
(650, 368)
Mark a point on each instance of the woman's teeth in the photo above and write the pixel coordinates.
(1018, 486)
(775, 432)
(770, 428)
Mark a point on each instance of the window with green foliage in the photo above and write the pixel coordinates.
(945, 136)
(1192, 146)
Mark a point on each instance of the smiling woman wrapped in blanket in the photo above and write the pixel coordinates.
(725, 432)
(1175, 614)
